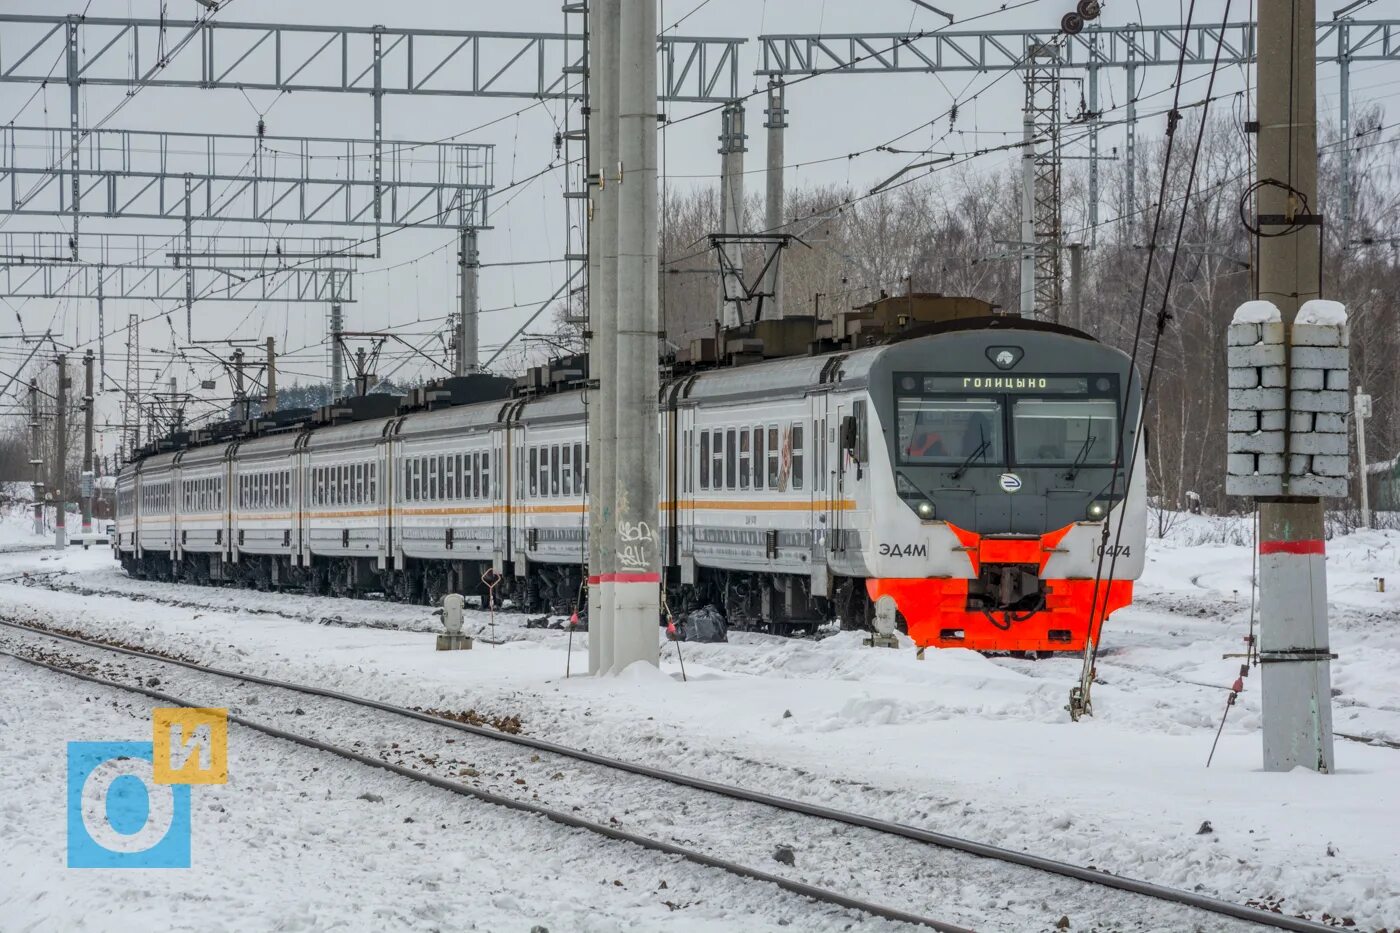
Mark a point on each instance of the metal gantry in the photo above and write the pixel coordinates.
(1129, 47)
(375, 60)
(309, 180)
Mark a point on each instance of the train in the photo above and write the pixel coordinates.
(953, 478)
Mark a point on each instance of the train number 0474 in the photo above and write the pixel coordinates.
(1115, 550)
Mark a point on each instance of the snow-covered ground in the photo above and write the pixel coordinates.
(960, 743)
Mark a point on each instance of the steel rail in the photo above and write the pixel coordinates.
(888, 827)
(811, 892)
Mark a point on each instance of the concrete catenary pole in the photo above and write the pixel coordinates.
(1362, 411)
(337, 360)
(776, 124)
(60, 454)
(240, 395)
(88, 477)
(602, 321)
(469, 264)
(1293, 645)
(731, 202)
(637, 581)
(270, 402)
(36, 456)
(1028, 217)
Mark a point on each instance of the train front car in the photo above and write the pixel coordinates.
(1008, 446)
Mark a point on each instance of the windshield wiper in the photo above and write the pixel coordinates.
(957, 474)
(1080, 457)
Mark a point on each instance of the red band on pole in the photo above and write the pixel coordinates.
(630, 578)
(1311, 546)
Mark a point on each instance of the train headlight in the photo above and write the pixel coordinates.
(925, 510)
(1097, 510)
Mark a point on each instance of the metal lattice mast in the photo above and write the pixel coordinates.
(1043, 109)
(131, 397)
(573, 149)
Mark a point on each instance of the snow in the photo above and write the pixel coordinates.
(1257, 312)
(301, 840)
(1323, 311)
(960, 742)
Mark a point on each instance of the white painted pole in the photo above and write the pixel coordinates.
(602, 317)
(1363, 411)
(637, 580)
(1028, 217)
(1296, 693)
(60, 455)
(776, 124)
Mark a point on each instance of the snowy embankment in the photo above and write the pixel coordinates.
(960, 743)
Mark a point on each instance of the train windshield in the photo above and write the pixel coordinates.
(1065, 431)
(951, 431)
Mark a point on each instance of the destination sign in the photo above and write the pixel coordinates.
(1050, 385)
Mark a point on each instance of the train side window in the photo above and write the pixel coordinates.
(774, 458)
(444, 473)
(730, 453)
(481, 481)
(566, 470)
(862, 451)
(534, 471)
(744, 464)
(704, 460)
(717, 460)
(758, 458)
(797, 458)
(373, 483)
(554, 471)
(578, 469)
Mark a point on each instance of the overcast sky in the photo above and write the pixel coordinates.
(413, 285)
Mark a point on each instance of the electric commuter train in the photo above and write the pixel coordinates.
(958, 478)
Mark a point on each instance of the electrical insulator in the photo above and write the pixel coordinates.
(1089, 9)
(1071, 24)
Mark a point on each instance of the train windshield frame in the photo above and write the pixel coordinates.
(976, 420)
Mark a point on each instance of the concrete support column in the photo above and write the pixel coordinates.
(36, 457)
(337, 360)
(637, 541)
(88, 478)
(1293, 644)
(776, 124)
(602, 322)
(469, 264)
(60, 454)
(732, 146)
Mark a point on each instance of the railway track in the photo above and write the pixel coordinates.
(901, 872)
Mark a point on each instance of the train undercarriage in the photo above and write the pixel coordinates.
(774, 603)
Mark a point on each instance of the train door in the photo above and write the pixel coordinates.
(839, 476)
(685, 494)
(382, 497)
(501, 489)
(820, 487)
